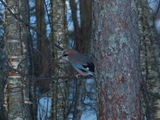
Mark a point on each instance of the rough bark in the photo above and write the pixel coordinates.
(116, 43)
(16, 100)
(150, 63)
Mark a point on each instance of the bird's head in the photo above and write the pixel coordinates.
(66, 53)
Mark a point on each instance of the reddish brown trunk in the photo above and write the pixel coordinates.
(116, 45)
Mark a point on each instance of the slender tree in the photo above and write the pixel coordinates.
(86, 25)
(116, 43)
(2, 68)
(44, 69)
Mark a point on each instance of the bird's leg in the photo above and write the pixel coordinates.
(77, 75)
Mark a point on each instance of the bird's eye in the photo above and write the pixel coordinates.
(65, 55)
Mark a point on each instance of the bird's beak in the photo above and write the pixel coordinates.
(60, 57)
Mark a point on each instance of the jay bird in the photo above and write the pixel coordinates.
(80, 62)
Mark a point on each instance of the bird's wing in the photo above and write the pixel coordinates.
(82, 62)
(89, 66)
(79, 59)
(81, 67)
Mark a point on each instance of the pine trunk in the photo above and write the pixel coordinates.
(116, 44)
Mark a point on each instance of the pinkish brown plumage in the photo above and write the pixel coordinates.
(80, 62)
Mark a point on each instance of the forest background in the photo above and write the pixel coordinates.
(122, 39)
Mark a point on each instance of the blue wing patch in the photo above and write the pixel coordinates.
(85, 69)
(78, 66)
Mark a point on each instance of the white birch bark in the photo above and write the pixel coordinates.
(15, 99)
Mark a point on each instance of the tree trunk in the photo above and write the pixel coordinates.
(86, 22)
(77, 30)
(150, 63)
(58, 32)
(16, 99)
(2, 82)
(44, 69)
(116, 44)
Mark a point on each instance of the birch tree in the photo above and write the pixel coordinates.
(16, 97)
